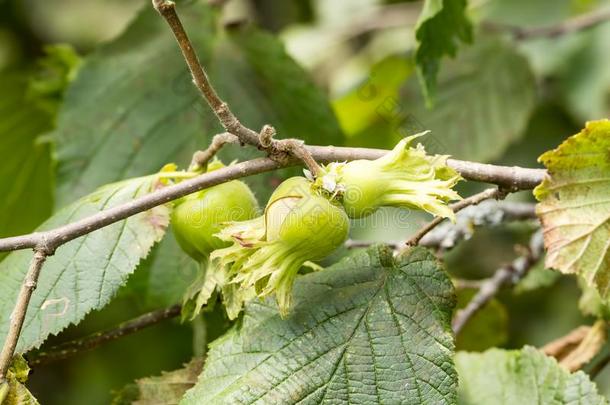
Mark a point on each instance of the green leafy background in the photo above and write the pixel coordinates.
(69, 127)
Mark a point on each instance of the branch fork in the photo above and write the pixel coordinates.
(278, 151)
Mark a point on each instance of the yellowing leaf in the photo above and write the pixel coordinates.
(13, 391)
(574, 205)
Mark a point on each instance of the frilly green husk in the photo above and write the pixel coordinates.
(267, 252)
(405, 177)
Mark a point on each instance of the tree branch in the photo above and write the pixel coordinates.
(51, 239)
(90, 342)
(48, 241)
(488, 213)
(447, 235)
(493, 192)
(509, 274)
(202, 157)
(18, 314)
(277, 150)
(512, 178)
(226, 117)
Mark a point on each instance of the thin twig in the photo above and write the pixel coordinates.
(19, 311)
(277, 150)
(576, 24)
(493, 192)
(523, 178)
(296, 148)
(509, 274)
(90, 342)
(488, 213)
(202, 157)
(228, 120)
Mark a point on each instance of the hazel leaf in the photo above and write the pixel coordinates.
(526, 376)
(369, 329)
(574, 205)
(85, 273)
(136, 89)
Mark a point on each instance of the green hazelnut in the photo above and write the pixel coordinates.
(198, 217)
(299, 225)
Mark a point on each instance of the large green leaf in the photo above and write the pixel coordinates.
(483, 104)
(574, 205)
(85, 273)
(133, 107)
(26, 172)
(370, 329)
(366, 105)
(441, 25)
(526, 376)
(30, 99)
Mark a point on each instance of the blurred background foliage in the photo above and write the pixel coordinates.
(501, 99)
